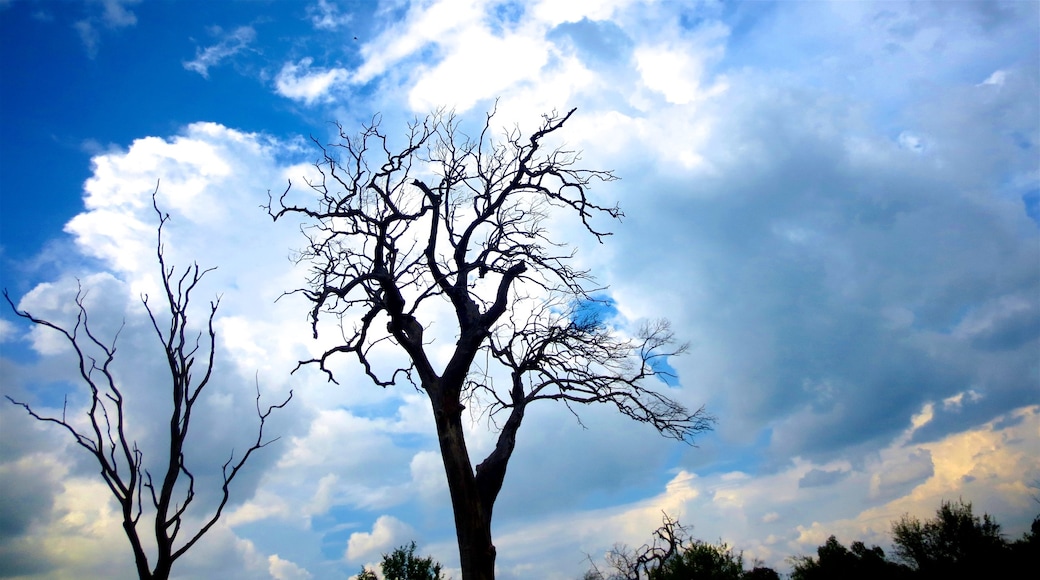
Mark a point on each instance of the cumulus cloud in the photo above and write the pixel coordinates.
(479, 66)
(387, 533)
(285, 570)
(299, 82)
(675, 70)
(205, 167)
(184, 172)
(230, 44)
(483, 51)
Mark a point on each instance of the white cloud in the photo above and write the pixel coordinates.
(425, 23)
(262, 506)
(912, 142)
(477, 66)
(997, 78)
(8, 331)
(299, 82)
(222, 554)
(114, 14)
(325, 15)
(87, 528)
(285, 570)
(229, 45)
(324, 443)
(185, 171)
(55, 302)
(676, 72)
(89, 35)
(428, 475)
(387, 533)
(958, 400)
(556, 13)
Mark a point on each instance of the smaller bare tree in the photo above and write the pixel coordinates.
(673, 554)
(624, 564)
(106, 439)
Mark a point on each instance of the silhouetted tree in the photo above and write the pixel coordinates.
(403, 564)
(624, 564)
(955, 542)
(1025, 552)
(673, 554)
(836, 561)
(456, 222)
(702, 560)
(121, 461)
(761, 573)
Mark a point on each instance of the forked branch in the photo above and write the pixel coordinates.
(106, 438)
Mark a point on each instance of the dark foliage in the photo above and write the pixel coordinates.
(403, 564)
(955, 541)
(1025, 552)
(836, 561)
(701, 560)
(954, 544)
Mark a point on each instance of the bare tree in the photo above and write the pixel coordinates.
(674, 554)
(106, 439)
(669, 541)
(455, 221)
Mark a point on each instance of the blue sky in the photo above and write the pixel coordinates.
(835, 204)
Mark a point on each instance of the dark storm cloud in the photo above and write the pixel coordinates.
(837, 265)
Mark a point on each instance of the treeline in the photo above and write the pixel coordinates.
(954, 544)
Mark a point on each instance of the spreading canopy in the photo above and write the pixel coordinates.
(462, 221)
(455, 230)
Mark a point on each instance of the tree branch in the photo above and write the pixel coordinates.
(120, 459)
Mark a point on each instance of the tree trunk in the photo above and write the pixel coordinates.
(472, 517)
(140, 558)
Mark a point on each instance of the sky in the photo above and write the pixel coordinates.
(836, 204)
